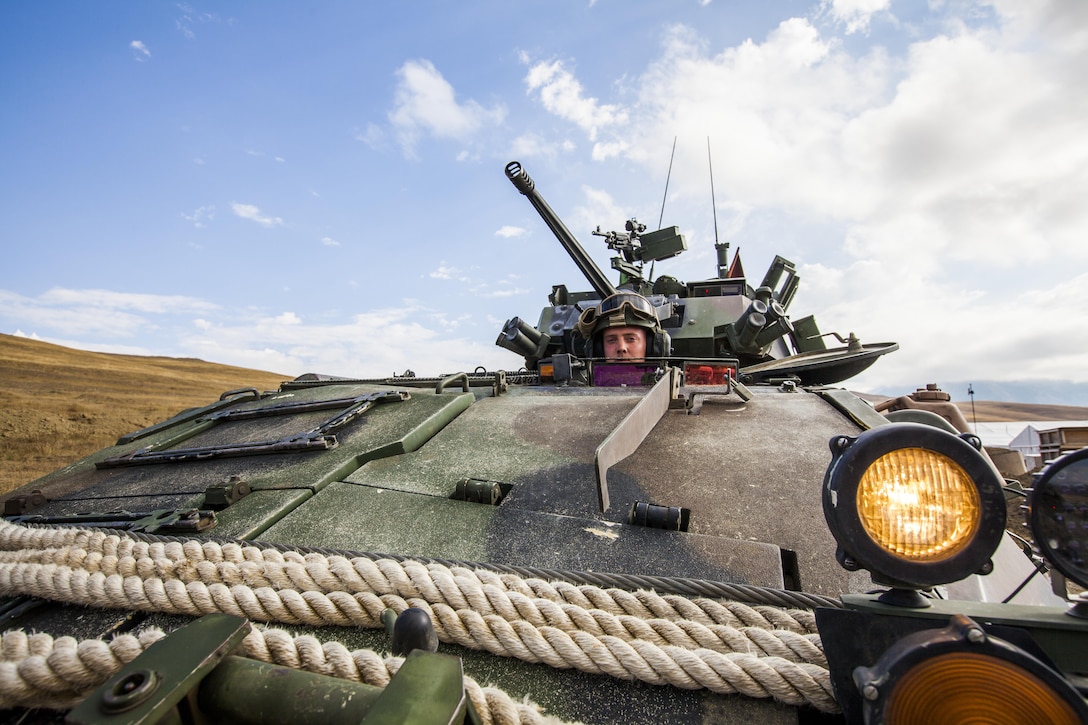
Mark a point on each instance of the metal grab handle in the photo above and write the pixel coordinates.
(463, 377)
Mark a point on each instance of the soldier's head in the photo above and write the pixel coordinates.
(623, 327)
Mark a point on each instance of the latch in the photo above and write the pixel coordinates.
(222, 495)
(24, 503)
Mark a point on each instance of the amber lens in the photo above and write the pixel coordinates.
(919, 505)
(966, 687)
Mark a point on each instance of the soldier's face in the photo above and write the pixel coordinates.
(624, 343)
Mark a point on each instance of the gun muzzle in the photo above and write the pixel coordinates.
(522, 338)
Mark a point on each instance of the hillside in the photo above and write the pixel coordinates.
(58, 404)
(990, 411)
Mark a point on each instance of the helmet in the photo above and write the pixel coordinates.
(623, 309)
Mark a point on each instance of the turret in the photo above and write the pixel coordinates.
(718, 320)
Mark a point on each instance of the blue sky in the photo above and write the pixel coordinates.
(319, 186)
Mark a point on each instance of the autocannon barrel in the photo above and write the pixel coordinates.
(590, 270)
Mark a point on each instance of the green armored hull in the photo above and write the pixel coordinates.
(595, 540)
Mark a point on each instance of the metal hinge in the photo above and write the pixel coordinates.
(477, 490)
(163, 521)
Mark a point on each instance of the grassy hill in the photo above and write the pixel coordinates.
(58, 405)
(990, 411)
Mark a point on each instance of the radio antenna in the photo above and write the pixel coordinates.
(667, 177)
(713, 203)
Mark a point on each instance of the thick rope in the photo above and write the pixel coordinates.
(690, 643)
(37, 670)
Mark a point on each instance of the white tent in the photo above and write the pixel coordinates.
(1027, 440)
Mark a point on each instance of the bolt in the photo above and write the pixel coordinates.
(870, 693)
(131, 690)
(976, 635)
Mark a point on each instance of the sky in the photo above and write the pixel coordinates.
(319, 187)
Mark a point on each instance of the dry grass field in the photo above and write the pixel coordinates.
(58, 405)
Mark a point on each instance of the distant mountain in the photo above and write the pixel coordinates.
(1037, 392)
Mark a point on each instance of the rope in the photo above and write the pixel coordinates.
(37, 670)
(746, 593)
(726, 647)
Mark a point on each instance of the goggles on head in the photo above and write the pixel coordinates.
(618, 310)
(614, 304)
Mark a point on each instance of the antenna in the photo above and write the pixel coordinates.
(668, 176)
(713, 203)
(974, 418)
(722, 250)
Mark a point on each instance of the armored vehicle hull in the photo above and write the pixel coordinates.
(595, 540)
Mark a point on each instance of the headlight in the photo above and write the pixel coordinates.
(1058, 515)
(962, 674)
(913, 504)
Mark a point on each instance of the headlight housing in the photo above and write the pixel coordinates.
(1058, 514)
(914, 505)
(961, 673)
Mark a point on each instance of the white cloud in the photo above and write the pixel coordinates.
(377, 343)
(200, 216)
(505, 292)
(107, 299)
(329, 242)
(532, 145)
(425, 103)
(446, 271)
(248, 211)
(916, 180)
(373, 136)
(855, 14)
(598, 205)
(94, 313)
(190, 17)
(562, 94)
(507, 231)
(948, 332)
(140, 51)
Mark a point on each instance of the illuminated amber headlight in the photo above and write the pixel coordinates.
(962, 674)
(913, 504)
(1058, 516)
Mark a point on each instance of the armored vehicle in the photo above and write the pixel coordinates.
(695, 524)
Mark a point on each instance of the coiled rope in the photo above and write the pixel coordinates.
(725, 647)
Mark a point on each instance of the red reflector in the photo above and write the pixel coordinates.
(701, 374)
